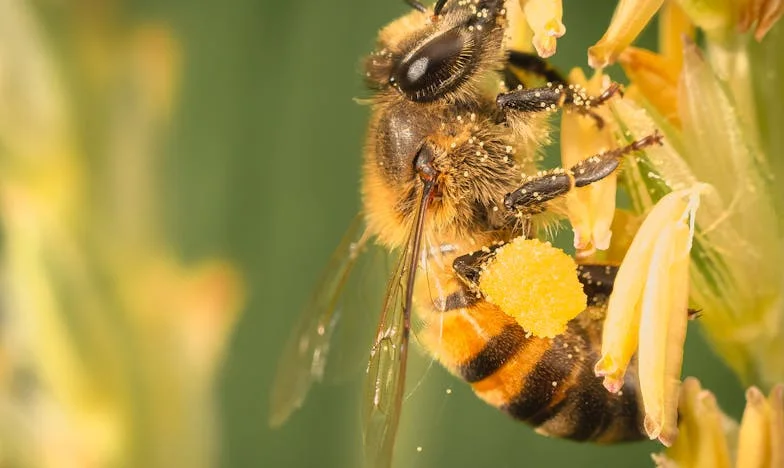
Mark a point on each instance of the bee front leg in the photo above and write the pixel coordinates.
(531, 197)
(555, 96)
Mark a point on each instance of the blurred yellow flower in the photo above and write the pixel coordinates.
(590, 208)
(114, 341)
(762, 13)
(655, 80)
(709, 438)
(737, 272)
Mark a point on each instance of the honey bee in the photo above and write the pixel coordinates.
(450, 134)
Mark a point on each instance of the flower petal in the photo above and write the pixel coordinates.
(754, 437)
(738, 289)
(544, 18)
(620, 333)
(714, 17)
(771, 13)
(663, 332)
(590, 208)
(519, 36)
(629, 19)
(776, 402)
(674, 24)
(602, 202)
(656, 77)
(702, 441)
(763, 12)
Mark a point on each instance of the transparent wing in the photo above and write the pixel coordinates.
(359, 307)
(386, 371)
(343, 297)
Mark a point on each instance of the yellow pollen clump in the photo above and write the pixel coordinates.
(536, 284)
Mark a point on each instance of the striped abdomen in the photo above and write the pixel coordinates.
(548, 383)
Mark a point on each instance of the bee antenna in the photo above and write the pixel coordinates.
(439, 6)
(416, 5)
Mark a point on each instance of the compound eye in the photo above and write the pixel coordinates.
(435, 68)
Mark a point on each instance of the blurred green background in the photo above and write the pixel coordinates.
(261, 167)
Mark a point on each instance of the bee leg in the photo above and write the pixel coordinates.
(438, 7)
(468, 267)
(554, 97)
(538, 190)
(530, 63)
(416, 5)
(597, 281)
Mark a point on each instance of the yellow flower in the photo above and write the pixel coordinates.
(629, 19)
(544, 19)
(590, 208)
(119, 339)
(708, 436)
(719, 19)
(654, 76)
(719, 108)
(648, 310)
(674, 25)
(655, 81)
(738, 256)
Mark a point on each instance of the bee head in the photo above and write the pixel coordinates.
(426, 56)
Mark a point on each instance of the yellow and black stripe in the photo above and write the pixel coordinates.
(548, 383)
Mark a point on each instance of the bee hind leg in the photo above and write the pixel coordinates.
(468, 267)
(536, 191)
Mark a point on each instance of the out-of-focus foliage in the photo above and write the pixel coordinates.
(109, 341)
